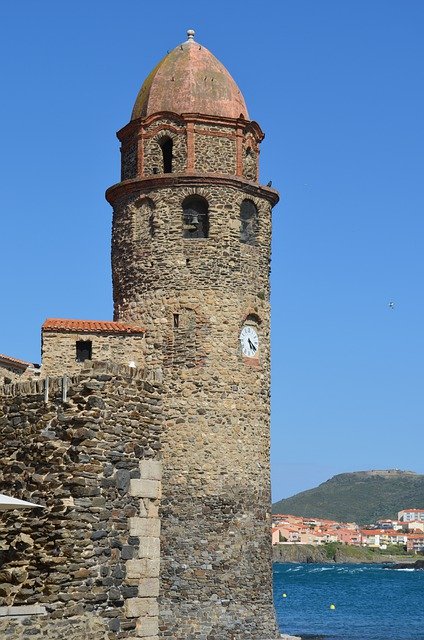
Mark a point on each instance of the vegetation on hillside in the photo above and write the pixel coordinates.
(337, 552)
(362, 497)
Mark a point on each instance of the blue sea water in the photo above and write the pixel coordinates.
(372, 602)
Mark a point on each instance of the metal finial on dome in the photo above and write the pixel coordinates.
(190, 34)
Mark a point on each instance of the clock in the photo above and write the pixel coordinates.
(249, 341)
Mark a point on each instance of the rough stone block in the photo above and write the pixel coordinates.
(148, 587)
(143, 513)
(145, 488)
(150, 470)
(145, 527)
(142, 568)
(152, 508)
(147, 626)
(149, 548)
(149, 567)
(136, 607)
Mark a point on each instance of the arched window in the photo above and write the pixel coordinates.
(166, 146)
(195, 217)
(248, 222)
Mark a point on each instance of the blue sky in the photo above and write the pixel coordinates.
(338, 89)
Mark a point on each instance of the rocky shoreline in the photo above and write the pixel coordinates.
(342, 554)
(418, 565)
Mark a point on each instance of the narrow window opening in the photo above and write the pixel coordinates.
(248, 222)
(176, 320)
(151, 225)
(187, 262)
(195, 217)
(253, 319)
(166, 146)
(83, 350)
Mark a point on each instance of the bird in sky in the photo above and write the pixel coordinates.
(391, 305)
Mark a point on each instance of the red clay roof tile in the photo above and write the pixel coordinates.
(15, 361)
(90, 326)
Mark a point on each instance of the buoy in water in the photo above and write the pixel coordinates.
(284, 595)
(332, 606)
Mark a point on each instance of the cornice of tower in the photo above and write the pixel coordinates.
(166, 180)
(184, 119)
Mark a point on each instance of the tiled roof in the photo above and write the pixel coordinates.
(89, 326)
(15, 362)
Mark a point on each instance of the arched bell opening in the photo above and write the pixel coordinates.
(195, 217)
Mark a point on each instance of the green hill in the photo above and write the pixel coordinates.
(362, 496)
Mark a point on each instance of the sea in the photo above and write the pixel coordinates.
(370, 601)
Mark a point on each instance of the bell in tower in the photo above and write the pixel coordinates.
(190, 260)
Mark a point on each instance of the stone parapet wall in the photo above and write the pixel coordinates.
(92, 460)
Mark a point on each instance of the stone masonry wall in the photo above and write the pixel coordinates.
(199, 145)
(215, 149)
(216, 580)
(156, 262)
(250, 159)
(90, 454)
(59, 350)
(14, 373)
(129, 161)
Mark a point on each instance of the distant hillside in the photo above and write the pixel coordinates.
(362, 496)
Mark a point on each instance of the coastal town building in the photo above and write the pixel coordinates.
(145, 440)
(411, 515)
(415, 543)
(389, 524)
(290, 529)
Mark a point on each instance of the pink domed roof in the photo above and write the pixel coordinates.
(190, 80)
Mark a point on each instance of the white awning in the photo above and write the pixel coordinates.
(6, 502)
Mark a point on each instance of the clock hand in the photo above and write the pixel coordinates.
(251, 345)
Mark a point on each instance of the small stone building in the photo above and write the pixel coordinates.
(13, 369)
(66, 345)
(146, 440)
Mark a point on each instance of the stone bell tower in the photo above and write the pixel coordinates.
(190, 258)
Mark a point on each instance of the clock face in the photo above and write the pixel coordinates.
(249, 341)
